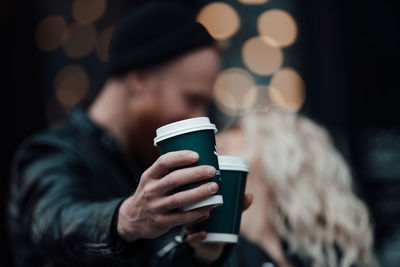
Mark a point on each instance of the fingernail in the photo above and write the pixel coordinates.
(212, 187)
(194, 155)
(211, 170)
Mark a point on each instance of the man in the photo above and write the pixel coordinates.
(79, 195)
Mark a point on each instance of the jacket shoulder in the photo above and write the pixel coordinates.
(63, 139)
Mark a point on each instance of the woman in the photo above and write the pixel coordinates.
(304, 211)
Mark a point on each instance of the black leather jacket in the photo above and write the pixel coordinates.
(67, 184)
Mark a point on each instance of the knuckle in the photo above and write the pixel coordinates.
(172, 181)
(183, 155)
(196, 194)
(175, 201)
(163, 161)
(148, 192)
(145, 174)
(200, 171)
(158, 220)
(153, 207)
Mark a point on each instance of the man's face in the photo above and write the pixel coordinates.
(183, 88)
(179, 90)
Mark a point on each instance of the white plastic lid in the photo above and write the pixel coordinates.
(221, 238)
(230, 163)
(182, 127)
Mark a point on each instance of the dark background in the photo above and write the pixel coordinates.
(350, 58)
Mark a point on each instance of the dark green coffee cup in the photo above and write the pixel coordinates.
(224, 223)
(198, 135)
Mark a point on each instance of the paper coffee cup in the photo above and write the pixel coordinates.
(224, 223)
(198, 135)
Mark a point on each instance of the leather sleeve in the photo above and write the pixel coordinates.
(61, 217)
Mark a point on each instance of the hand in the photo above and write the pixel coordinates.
(152, 210)
(209, 252)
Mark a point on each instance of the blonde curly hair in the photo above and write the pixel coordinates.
(313, 207)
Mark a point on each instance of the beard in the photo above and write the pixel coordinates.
(141, 146)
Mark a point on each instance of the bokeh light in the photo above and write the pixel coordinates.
(253, 2)
(71, 85)
(220, 19)
(261, 57)
(103, 43)
(278, 27)
(287, 90)
(80, 41)
(88, 11)
(51, 33)
(233, 91)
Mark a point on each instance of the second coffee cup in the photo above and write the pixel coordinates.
(224, 223)
(198, 135)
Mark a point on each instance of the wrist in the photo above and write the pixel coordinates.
(124, 225)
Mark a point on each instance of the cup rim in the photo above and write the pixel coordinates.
(182, 127)
(221, 238)
(231, 163)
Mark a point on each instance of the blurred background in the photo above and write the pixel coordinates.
(335, 61)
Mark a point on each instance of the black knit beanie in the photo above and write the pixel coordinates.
(153, 34)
